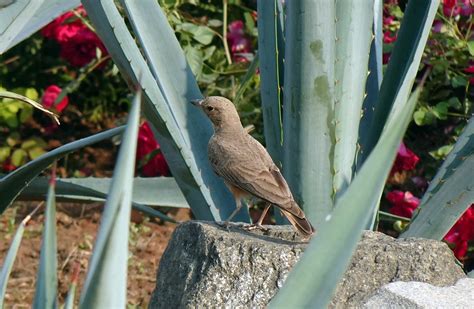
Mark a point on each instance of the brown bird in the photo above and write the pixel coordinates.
(247, 168)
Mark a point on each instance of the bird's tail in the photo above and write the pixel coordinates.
(300, 223)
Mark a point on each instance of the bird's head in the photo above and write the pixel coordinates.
(220, 111)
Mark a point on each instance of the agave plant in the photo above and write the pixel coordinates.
(331, 121)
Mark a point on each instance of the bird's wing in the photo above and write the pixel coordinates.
(250, 167)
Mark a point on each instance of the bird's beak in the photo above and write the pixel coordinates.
(197, 102)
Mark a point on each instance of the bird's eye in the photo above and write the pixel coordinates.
(210, 108)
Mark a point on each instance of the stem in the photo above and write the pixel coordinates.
(224, 32)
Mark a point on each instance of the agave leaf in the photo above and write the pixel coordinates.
(11, 255)
(155, 191)
(166, 103)
(16, 96)
(329, 253)
(12, 184)
(374, 81)
(411, 38)
(20, 19)
(69, 303)
(106, 282)
(271, 52)
(309, 105)
(354, 21)
(449, 194)
(161, 191)
(47, 278)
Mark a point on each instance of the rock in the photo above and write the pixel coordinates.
(381, 259)
(206, 266)
(423, 295)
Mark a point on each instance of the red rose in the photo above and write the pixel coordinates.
(65, 26)
(461, 233)
(81, 48)
(469, 69)
(404, 203)
(78, 43)
(50, 95)
(147, 143)
(406, 160)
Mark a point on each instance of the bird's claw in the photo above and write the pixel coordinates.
(225, 225)
(257, 226)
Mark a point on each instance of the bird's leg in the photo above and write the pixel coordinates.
(259, 225)
(237, 209)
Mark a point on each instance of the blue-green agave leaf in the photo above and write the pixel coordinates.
(271, 52)
(183, 132)
(313, 280)
(16, 96)
(411, 38)
(21, 18)
(354, 21)
(374, 81)
(160, 191)
(308, 107)
(47, 278)
(13, 183)
(449, 194)
(106, 282)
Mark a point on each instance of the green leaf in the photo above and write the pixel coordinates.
(470, 46)
(22, 18)
(441, 152)
(11, 255)
(245, 82)
(47, 278)
(106, 282)
(354, 21)
(309, 105)
(330, 251)
(4, 153)
(195, 59)
(458, 81)
(12, 184)
(19, 157)
(449, 194)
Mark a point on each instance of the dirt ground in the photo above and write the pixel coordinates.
(77, 225)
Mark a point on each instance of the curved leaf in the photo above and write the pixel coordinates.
(449, 194)
(13, 183)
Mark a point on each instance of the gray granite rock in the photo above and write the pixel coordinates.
(423, 295)
(206, 266)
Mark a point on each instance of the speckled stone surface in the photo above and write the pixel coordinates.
(206, 266)
(423, 295)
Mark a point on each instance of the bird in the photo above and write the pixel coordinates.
(246, 167)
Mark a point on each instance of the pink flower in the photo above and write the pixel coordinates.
(469, 69)
(388, 38)
(406, 160)
(49, 97)
(461, 233)
(156, 166)
(239, 43)
(404, 203)
(437, 26)
(467, 8)
(450, 8)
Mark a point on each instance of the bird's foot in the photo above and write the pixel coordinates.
(224, 224)
(257, 226)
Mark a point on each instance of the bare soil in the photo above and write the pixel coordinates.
(77, 225)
